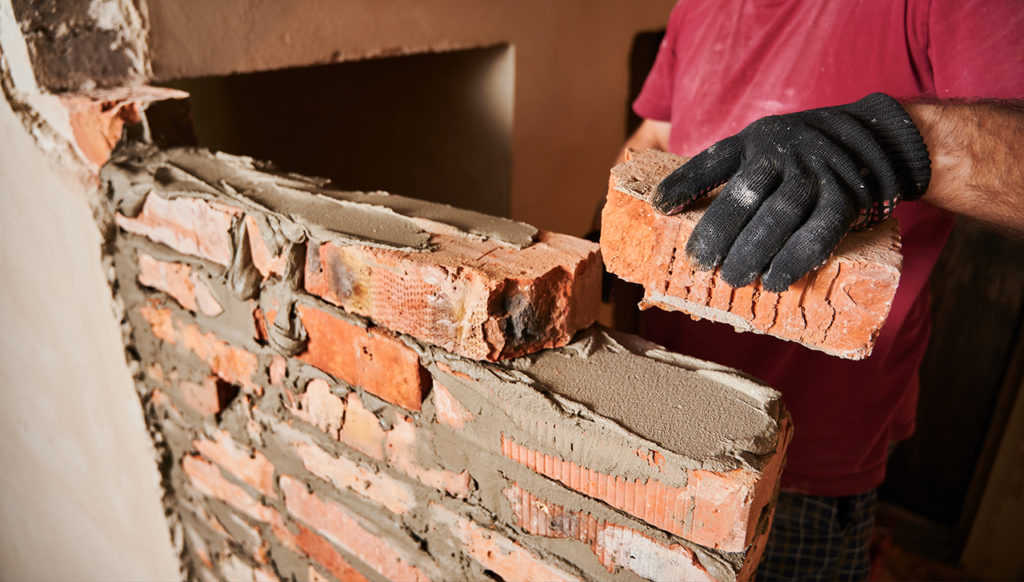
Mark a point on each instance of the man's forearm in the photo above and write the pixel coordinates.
(650, 135)
(977, 155)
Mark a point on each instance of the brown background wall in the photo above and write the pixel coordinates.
(571, 71)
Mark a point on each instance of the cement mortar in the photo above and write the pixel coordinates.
(308, 204)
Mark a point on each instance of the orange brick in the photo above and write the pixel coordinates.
(496, 552)
(210, 397)
(343, 529)
(178, 281)
(362, 430)
(278, 369)
(253, 469)
(401, 446)
(477, 298)
(719, 510)
(614, 545)
(266, 263)
(345, 420)
(230, 363)
(319, 406)
(207, 479)
(344, 473)
(319, 550)
(838, 309)
(447, 409)
(188, 225)
(371, 359)
(97, 118)
(322, 552)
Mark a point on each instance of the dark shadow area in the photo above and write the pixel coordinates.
(969, 377)
(433, 126)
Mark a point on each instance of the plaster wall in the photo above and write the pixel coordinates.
(79, 491)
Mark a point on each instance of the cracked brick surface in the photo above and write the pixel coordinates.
(838, 309)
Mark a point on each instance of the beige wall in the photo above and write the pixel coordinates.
(79, 496)
(571, 70)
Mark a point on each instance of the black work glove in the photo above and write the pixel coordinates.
(796, 184)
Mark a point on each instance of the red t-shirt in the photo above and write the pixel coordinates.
(726, 63)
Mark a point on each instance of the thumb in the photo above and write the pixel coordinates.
(698, 176)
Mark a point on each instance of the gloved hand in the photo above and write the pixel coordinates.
(796, 184)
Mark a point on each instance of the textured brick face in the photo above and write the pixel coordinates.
(373, 360)
(838, 309)
(188, 225)
(719, 510)
(479, 299)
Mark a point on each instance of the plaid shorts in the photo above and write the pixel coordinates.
(820, 538)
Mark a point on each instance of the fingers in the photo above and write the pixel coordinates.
(730, 212)
(813, 243)
(697, 177)
(781, 214)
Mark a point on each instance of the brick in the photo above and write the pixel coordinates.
(319, 406)
(267, 263)
(478, 298)
(401, 448)
(345, 420)
(192, 226)
(496, 552)
(254, 469)
(97, 118)
(233, 364)
(344, 529)
(719, 510)
(344, 473)
(178, 281)
(211, 397)
(447, 409)
(614, 545)
(277, 370)
(208, 480)
(369, 358)
(838, 309)
(362, 430)
(320, 551)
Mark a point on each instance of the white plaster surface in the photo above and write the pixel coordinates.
(79, 491)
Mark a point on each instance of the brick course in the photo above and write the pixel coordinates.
(315, 432)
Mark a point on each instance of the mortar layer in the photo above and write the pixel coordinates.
(690, 407)
(376, 218)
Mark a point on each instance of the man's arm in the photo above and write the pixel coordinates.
(977, 155)
(650, 135)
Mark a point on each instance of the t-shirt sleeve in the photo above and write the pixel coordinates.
(976, 48)
(655, 99)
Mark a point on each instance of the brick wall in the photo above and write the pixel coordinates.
(415, 394)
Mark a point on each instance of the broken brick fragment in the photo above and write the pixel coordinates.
(838, 309)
